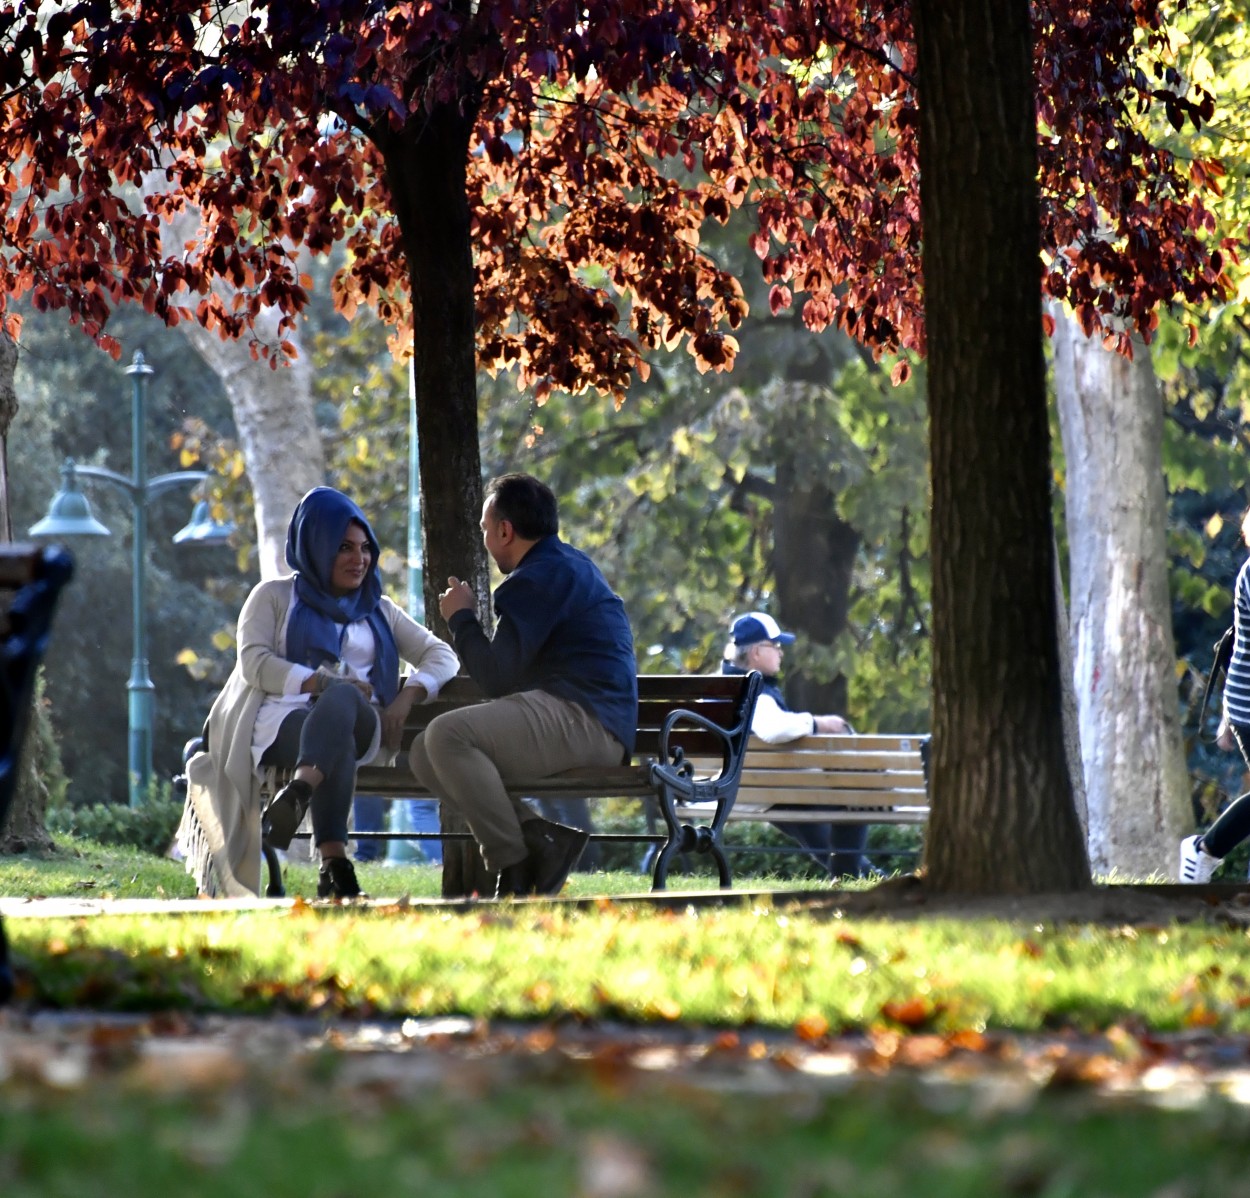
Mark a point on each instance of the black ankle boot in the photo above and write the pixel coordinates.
(285, 813)
(554, 850)
(337, 879)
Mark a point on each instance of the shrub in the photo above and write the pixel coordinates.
(149, 828)
(891, 847)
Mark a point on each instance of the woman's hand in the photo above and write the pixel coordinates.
(1224, 738)
(317, 682)
(396, 713)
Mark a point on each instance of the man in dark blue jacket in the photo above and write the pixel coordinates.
(561, 671)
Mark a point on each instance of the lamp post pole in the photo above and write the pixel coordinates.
(141, 694)
(70, 516)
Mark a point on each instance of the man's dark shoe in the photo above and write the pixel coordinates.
(515, 881)
(285, 813)
(554, 850)
(337, 879)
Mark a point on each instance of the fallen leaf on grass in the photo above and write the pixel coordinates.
(1078, 1068)
(910, 1013)
(1201, 1016)
(812, 1027)
(969, 1040)
(539, 993)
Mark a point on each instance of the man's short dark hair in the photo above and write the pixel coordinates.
(527, 504)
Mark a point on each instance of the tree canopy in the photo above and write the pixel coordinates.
(524, 185)
(604, 135)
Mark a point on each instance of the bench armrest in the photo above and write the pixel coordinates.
(675, 766)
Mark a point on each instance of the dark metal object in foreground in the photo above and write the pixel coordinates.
(37, 576)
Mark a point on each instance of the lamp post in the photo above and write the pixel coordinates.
(69, 515)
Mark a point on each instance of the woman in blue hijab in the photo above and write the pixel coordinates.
(317, 690)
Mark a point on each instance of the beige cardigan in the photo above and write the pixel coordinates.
(220, 830)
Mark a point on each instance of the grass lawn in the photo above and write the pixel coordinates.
(537, 1124)
(84, 869)
(756, 963)
(816, 1054)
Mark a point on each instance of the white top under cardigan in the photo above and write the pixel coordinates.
(357, 650)
(220, 830)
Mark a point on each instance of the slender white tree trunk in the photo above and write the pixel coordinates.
(1124, 656)
(274, 415)
(1071, 712)
(273, 411)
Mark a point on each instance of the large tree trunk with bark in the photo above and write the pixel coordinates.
(426, 171)
(8, 410)
(1003, 818)
(1124, 657)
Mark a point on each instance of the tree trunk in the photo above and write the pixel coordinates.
(1003, 819)
(1071, 716)
(8, 410)
(274, 415)
(426, 170)
(25, 828)
(1124, 657)
(813, 561)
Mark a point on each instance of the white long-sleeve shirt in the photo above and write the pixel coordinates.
(773, 724)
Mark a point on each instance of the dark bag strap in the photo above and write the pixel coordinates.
(1219, 669)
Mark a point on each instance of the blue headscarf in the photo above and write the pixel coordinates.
(318, 618)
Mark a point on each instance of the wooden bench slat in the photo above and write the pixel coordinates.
(627, 781)
(849, 797)
(859, 742)
(832, 781)
(823, 815)
(781, 758)
(785, 764)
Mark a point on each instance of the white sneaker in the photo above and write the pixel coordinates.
(1197, 865)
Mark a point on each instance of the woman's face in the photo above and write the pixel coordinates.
(351, 563)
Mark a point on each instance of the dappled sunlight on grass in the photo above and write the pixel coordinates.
(765, 965)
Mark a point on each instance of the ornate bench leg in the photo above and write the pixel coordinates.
(685, 838)
(717, 850)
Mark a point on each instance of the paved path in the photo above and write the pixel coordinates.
(70, 907)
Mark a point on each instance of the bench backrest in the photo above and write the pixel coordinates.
(870, 771)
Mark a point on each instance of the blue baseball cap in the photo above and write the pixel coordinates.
(757, 626)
